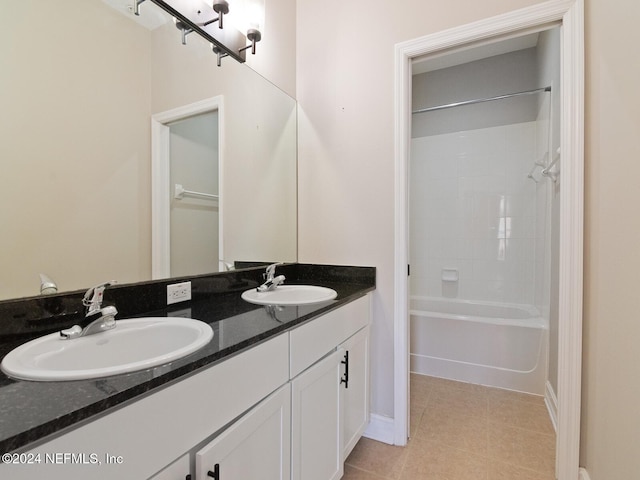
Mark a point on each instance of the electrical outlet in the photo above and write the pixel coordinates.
(178, 292)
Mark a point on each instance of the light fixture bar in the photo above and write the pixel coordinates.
(199, 17)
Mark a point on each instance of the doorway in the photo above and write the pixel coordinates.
(568, 15)
(194, 212)
(187, 197)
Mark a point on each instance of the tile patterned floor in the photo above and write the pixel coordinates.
(462, 431)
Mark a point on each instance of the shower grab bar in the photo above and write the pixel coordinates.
(180, 192)
(481, 100)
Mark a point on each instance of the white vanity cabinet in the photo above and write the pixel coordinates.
(256, 447)
(277, 411)
(330, 390)
(148, 435)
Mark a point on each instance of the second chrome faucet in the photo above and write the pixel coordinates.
(271, 281)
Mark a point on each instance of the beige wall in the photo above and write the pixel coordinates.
(75, 151)
(75, 176)
(611, 390)
(345, 94)
(258, 163)
(258, 169)
(275, 57)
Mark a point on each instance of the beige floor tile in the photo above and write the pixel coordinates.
(376, 457)
(415, 417)
(352, 473)
(443, 384)
(452, 402)
(498, 394)
(523, 448)
(463, 432)
(420, 389)
(428, 460)
(504, 471)
(531, 416)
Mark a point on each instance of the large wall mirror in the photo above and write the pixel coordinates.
(80, 84)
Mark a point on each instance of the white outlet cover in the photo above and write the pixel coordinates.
(178, 292)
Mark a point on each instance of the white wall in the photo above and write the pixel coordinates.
(346, 162)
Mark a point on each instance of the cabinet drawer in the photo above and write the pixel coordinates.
(313, 340)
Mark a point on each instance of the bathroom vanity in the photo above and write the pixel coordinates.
(280, 393)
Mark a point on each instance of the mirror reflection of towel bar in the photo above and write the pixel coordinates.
(180, 192)
(553, 175)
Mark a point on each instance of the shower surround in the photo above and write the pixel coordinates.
(473, 209)
(478, 237)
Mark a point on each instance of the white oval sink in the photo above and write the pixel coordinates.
(290, 295)
(134, 344)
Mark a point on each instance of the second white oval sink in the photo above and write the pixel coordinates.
(290, 295)
(134, 344)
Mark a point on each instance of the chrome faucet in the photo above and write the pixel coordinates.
(271, 281)
(97, 318)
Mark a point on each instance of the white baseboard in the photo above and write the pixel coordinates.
(551, 401)
(380, 428)
(584, 475)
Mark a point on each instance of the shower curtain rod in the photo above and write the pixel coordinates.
(481, 100)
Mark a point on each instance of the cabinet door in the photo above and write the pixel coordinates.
(178, 470)
(356, 388)
(256, 447)
(316, 440)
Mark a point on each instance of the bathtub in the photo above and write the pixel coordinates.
(491, 344)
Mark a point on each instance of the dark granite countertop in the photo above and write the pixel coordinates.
(31, 411)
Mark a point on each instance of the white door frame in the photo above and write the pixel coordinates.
(160, 180)
(570, 15)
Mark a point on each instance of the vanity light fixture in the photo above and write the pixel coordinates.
(220, 54)
(136, 7)
(221, 7)
(254, 36)
(184, 28)
(199, 16)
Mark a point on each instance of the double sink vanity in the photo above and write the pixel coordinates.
(274, 385)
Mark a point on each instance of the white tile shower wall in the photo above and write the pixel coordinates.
(473, 208)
